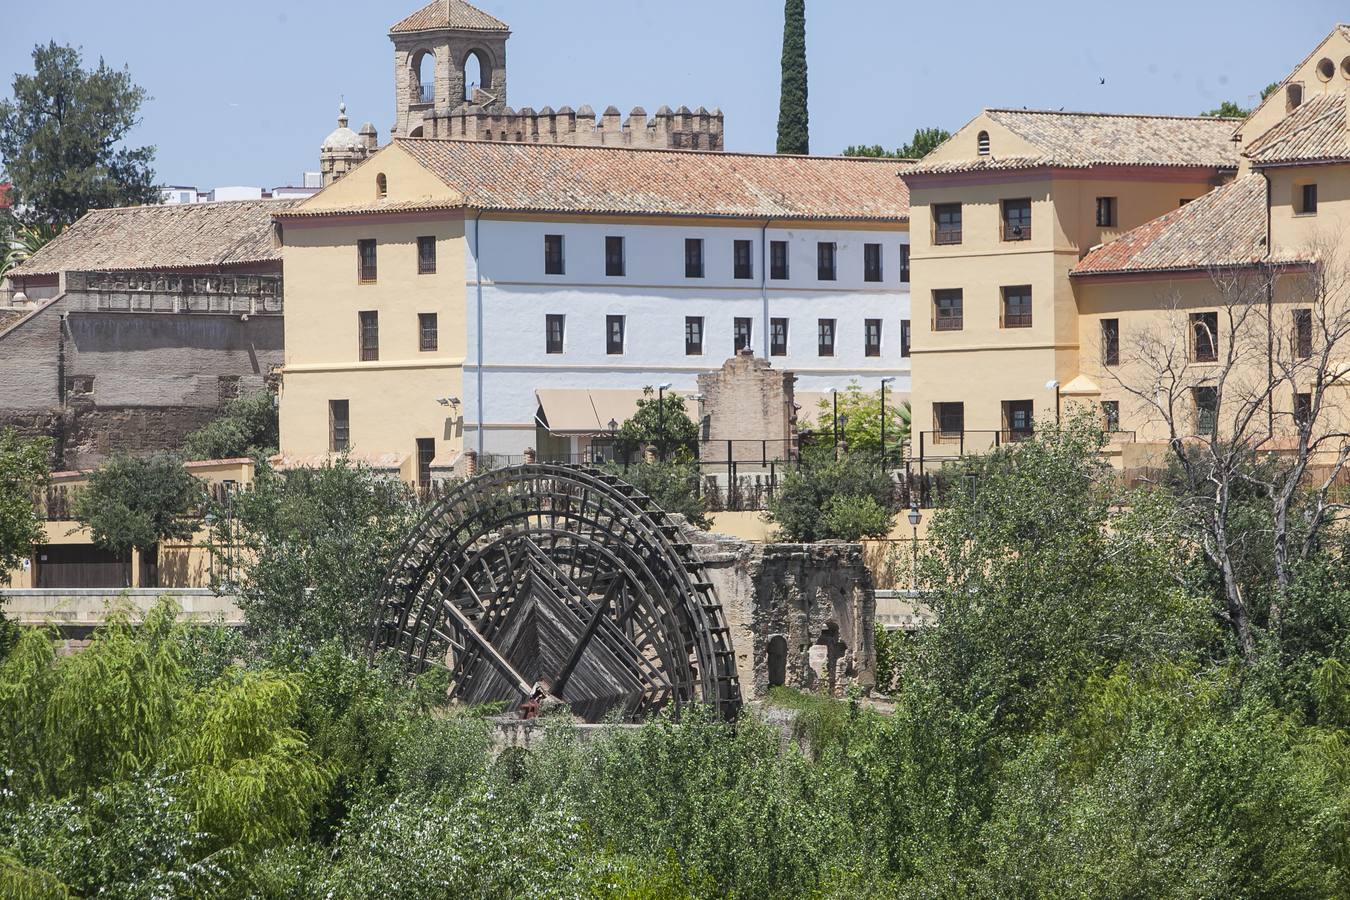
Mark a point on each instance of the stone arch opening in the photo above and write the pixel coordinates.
(416, 132)
(477, 73)
(777, 661)
(982, 143)
(381, 186)
(1293, 96)
(424, 77)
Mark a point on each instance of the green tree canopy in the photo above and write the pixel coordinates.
(673, 484)
(24, 469)
(824, 499)
(1227, 110)
(860, 419)
(660, 421)
(62, 134)
(794, 120)
(925, 141)
(249, 427)
(136, 502)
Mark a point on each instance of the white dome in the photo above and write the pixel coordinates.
(342, 138)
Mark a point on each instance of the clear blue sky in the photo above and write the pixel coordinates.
(244, 91)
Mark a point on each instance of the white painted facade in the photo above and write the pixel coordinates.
(509, 296)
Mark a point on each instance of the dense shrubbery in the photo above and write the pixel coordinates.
(249, 426)
(1079, 724)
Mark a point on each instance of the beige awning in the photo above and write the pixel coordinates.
(588, 410)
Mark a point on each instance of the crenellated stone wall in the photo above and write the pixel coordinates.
(681, 129)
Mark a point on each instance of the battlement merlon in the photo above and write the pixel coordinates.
(683, 128)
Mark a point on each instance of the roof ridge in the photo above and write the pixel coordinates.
(883, 160)
(1111, 115)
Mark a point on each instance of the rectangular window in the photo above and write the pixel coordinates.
(1016, 311)
(825, 337)
(825, 259)
(693, 258)
(950, 420)
(555, 329)
(614, 335)
(778, 337)
(1205, 337)
(554, 263)
(947, 223)
(778, 260)
(741, 333)
(1206, 409)
(1110, 416)
(1110, 342)
(426, 452)
(427, 328)
(1302, 409)
(947, 310)
(904, 338)
(1303, 333)
(426, 256)
(693, 335)
(339, 426)
(871, 262)
(1106, 212)
(743, 259)
(1306, 200)
(365, 255)
(872, 337)
(370, 336)
(1017, 220)
(1018, 419)
(614, 255)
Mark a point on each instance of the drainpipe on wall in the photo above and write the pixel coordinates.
(764, 281)
(478, 277)
(1270, 320)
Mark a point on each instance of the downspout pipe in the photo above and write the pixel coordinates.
(764, 282)
(478, 316)
(1270, 316)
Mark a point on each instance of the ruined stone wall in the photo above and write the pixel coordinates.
(681, 129)
(801, 615)
(747, 402)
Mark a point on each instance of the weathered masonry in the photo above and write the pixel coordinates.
(138, 324)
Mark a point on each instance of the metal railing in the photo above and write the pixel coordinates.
(426, 93)
(1016, 231)
(948, 234)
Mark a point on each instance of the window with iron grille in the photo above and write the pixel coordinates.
(426, 256)
(427, 332)
(904, 338)
(693, 335)
(693, 257)
(1206, 409)
(1110, 342)
(904, 263)
(1017, 306)
(947, 310)
(1110, 416)
(871, 262)
(778, 260)
(743, 259)
(778, 337)
(614, 256)
(614, 335)
(553, 255)
(825, 259)
(1017, 220)
(1303, 333)
(950, 419)
(426, 453)
(741, 333)
(947, 223)
(370, 336)
(1302, 409)
(1106, 212)
(872, 337)
(825, 337)
(1018, 419)
(339, 426)
(1307, 200)
(1204, 337)
(554, 330)
(365, 254)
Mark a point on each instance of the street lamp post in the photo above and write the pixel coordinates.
(661, 420)
(1053, 385)
(915, 517)
(884, 382)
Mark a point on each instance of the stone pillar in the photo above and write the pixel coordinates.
(470, 463)
(531, 457)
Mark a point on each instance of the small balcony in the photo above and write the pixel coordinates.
(1014, 230)
(424, 93)
(947, 234)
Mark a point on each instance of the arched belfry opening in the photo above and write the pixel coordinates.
(477, 74)
(424, 77)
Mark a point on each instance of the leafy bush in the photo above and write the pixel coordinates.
(248, 427)
(24, 470)
(828, 499)
(139, 501)
(673, 485)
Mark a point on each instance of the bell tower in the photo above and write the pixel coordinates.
(434, 48)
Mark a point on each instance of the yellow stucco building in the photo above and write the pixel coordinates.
(1053, 252)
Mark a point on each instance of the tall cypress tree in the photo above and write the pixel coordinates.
(794, 130)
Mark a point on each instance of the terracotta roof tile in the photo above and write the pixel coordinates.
(174, 236)
(570, 179)
(361, 209)
(449, 14)
(1316, 131)
(1081, 140)
(1225, 227)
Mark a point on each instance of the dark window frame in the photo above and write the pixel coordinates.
(693, 335)
(1015, 410)
(339, 425)
(555, 333)
(946, 224)
(949, 321)
(426, 454)
(742, 333)
(779, 261)
(904, 263)
(905, 329)
(826, 336)
(616, 265)
(368, 335)
(1206, 410)
(426, 255)
(946, 414)
(615, 340)
(1204, 343)
(743, 259)
(1014, 228)
(1303, 333)
(827, 261)
(871, 330)
(693, 258)
(1106, 212)
(1307, 199)
(428, 338)
(1110, 336)
(778, 336)
(367, 261)
(1302, 408)
(555, 254)
(1110, 416)
(872, 263)
(1009, 319)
